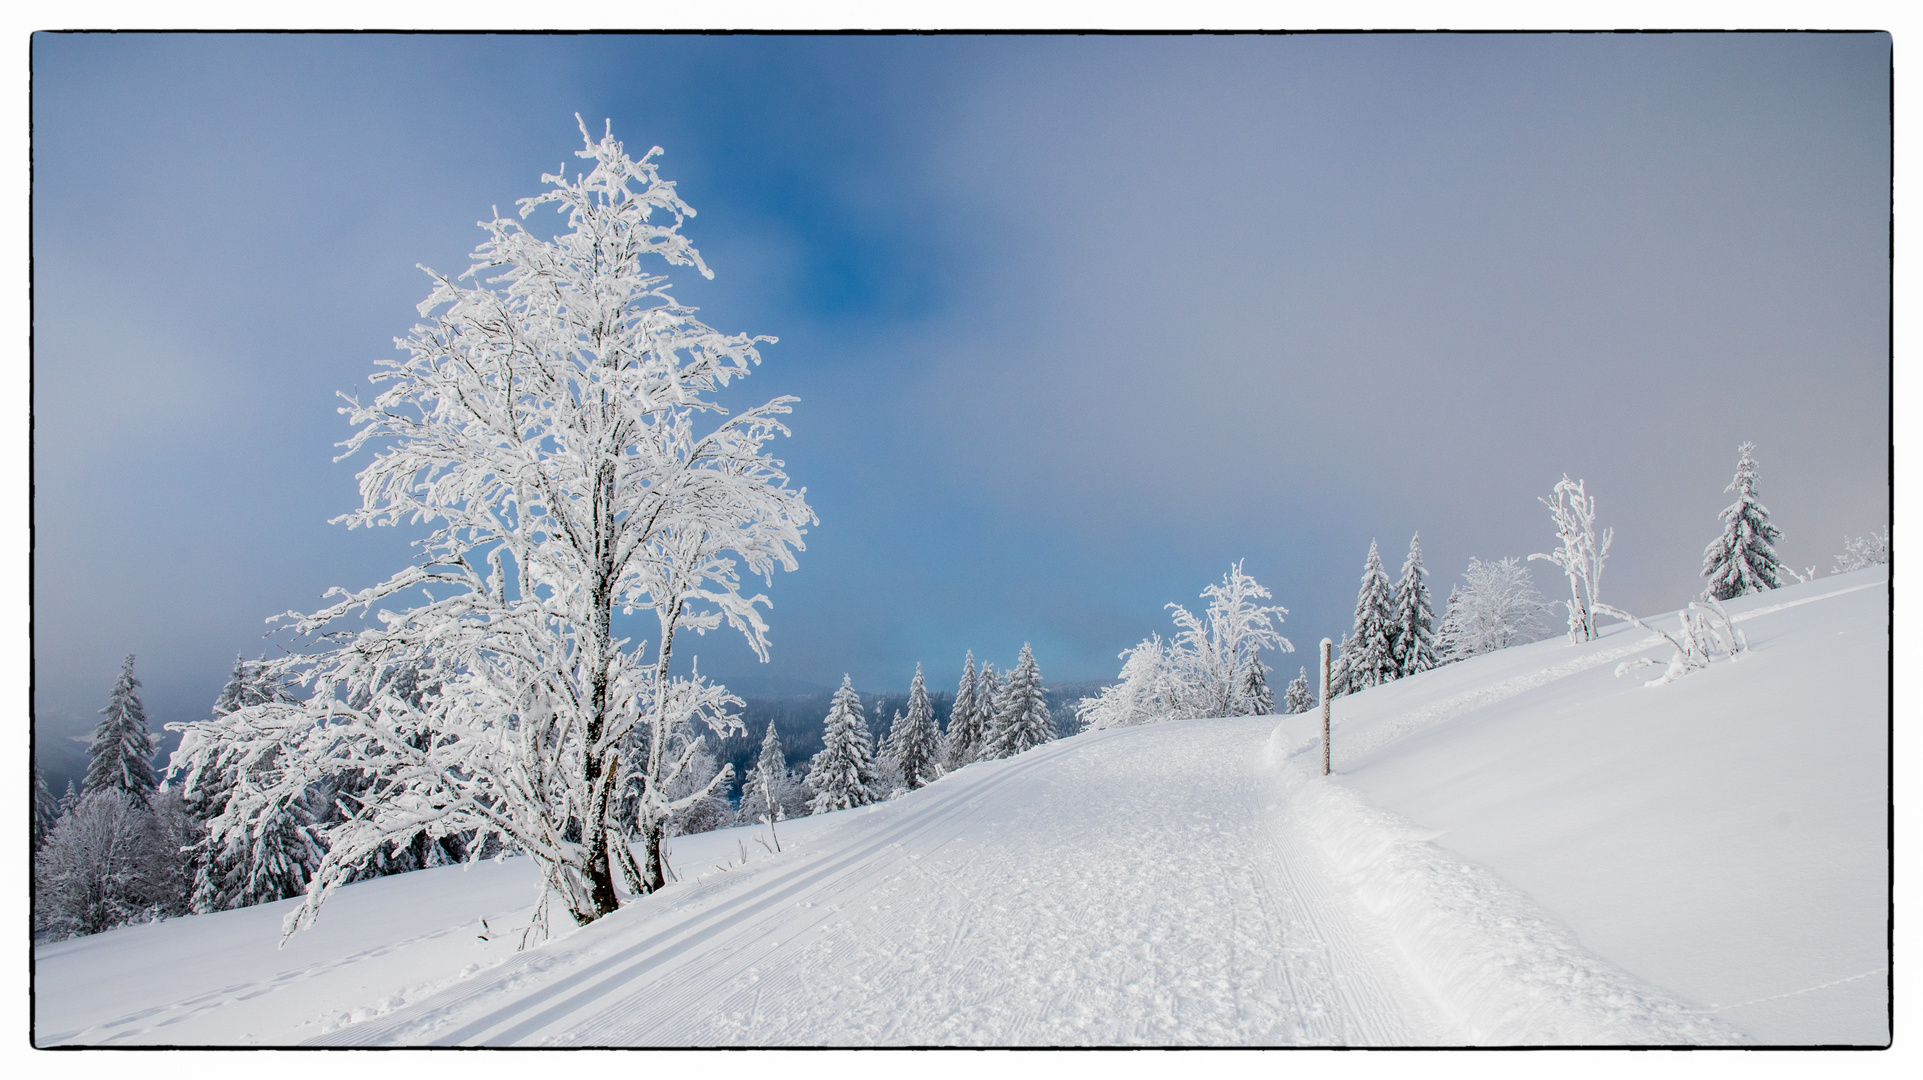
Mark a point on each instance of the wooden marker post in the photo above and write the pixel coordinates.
(1327, 647)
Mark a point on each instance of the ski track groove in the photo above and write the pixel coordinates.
(429, 1017)
(1031, 907)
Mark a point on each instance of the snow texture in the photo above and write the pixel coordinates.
(1514, 849)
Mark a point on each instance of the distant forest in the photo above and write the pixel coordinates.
(798, 719)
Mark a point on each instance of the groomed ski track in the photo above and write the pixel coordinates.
(1131, 887)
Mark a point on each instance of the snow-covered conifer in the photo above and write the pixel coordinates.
(1414, 643)
(1743, 559)
(251, 849)
(1581, 555)
(1368, 658)
(914, 743)
(1298, 698)
(768, 793)
(122, 754)
(1256, 695)
(842, 775)
(46, 810)
(554, 424)
(1022, 719)
(962, 742)
(1861, 552)
(1495, 606)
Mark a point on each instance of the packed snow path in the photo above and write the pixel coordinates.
(1121, 887)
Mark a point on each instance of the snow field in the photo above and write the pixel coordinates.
(1724, 837)
(1116, 888)
(1518, 848)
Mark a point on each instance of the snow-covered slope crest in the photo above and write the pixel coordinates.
(1503, 969)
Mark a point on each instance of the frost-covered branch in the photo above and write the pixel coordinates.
(1581, 554)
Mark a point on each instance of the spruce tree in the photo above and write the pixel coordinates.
(1256, 695)
(842, 775)
(240, 866)
(963, 739)
(46, 810)
(1368, 658)
(1743, 559)
(762, 790)
(1022, 719)
(1414, 643)
(915, 742)
(122, 755)
(1298, 698)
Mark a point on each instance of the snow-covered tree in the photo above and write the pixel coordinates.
(1581, 554)
(769, 793)
(1298, 698)
(554, 424)
(1213, 651)
(1257, 697)
(90, 875)
(1743, 559)
(914, 742)
(1861, 552)
(1368, 653)
(1149, 691)
(1022, 719)
(702, 795)
(46, 810)
(1414, 641)
(122, 755)
(1496, 605)
(259, 852)
(112, 859)
(842, 774)
(1212, 666)
(962, 742)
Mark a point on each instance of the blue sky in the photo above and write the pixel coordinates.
(1075, 322)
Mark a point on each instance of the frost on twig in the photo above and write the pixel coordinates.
(1581, 554)
(1699, 642)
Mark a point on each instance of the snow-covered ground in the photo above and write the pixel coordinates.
(1522, 848)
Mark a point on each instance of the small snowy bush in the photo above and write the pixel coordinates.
(1581, 555)
(1696, 644)
(1861, 552)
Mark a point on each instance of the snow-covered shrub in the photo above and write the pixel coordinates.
(554, 424)
(1743, 559)
(1149, 691)
(1581, 555)
(1496, 606)
(1698, 642)
(1205, 670)
(1860, 552)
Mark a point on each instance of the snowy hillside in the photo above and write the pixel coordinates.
(1520, 848)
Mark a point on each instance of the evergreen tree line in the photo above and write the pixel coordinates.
(992, 715)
